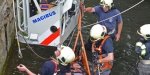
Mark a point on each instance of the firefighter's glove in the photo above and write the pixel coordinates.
(96, 62)
(94, 55)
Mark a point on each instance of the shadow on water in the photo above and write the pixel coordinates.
(125, 57)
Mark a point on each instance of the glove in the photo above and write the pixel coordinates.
(95, 54)
(96, 61)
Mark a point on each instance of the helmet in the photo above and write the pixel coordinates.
(144, 31)
(97, 32)
(106, 3)
(66, 55)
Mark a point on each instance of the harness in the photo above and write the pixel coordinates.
(106, 64)
(111, 32)
(56, 67)
(46, 5)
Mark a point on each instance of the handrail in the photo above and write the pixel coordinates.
(18, 13)
(37, 6)
(19, 50)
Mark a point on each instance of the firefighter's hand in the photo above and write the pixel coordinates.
(21, 67)
(93, 44)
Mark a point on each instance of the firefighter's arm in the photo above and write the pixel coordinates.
(120, 25)
(89, 9)
(21, 67)
(108, 58)
(93, 44)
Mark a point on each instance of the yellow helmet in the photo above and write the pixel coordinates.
(106, 3)
(144, 31)
(66, 55)
(97, 32)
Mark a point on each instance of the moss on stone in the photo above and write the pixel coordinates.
(7, 58)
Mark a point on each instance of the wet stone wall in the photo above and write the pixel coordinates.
(7, 30)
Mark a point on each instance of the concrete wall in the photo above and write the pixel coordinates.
(7, 30)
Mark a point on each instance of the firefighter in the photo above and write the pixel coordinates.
(105, 10)
(102, 49)
(63, 56)
(142, 48)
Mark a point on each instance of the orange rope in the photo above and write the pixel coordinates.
(84, 59)
(76, 41)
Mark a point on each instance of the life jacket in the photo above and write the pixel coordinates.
(46, 5)
(56, 66)
(99, 49)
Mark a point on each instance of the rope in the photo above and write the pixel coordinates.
(71, 37)
(19, 51)
(13, 13)
(115, 15)
(35, 52)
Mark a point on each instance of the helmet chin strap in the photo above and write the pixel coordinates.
(54, 56)
(59, 47)
(109, 10)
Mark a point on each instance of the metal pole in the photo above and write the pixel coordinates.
(37, 6)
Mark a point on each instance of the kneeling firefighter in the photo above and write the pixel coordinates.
(58, 66)
(102, 50)
(142, 48)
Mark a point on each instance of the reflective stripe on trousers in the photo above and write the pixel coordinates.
(145, 61)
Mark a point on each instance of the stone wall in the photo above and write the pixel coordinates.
(7, 30)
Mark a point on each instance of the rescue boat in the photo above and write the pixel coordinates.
(46, 24)
(50, 24)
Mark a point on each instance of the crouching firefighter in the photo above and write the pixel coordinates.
(142, 48)
(60, 65)
(102, 50)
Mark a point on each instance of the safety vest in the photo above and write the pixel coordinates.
(99, 49)
(56, 66)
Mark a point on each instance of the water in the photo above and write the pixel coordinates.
(125, 57)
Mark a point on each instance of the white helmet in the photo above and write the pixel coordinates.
(66, 55)
(97, 32)
(106, 3)
(144, 31)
